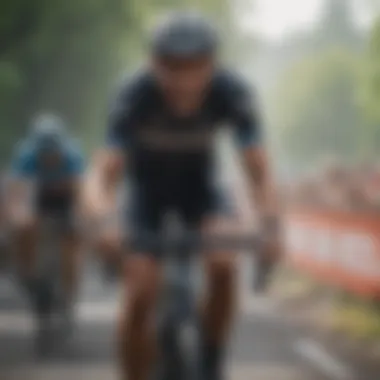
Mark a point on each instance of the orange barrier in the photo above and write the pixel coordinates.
(340, 249)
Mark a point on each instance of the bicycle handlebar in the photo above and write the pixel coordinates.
(196, 241)
(187, 239)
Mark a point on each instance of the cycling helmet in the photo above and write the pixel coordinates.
(48, 132)
(184, 35)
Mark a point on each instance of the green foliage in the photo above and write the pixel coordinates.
(337, 25)
(317, 108)
(65, 56)
(371, 94)
(370, 88)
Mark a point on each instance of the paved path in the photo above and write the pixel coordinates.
(264, 345)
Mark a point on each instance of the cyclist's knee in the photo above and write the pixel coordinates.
(143, 283)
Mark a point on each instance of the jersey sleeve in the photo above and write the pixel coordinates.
(242, 113)
(23, 163)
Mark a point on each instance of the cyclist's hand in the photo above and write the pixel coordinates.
(270, 252)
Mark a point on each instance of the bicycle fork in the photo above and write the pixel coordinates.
(179, 329)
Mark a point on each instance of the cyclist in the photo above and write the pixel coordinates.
(45, 177)
(162, 130)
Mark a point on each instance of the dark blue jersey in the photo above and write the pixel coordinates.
(26, 164)
(165, 149)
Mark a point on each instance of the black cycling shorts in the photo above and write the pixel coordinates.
(147, 211)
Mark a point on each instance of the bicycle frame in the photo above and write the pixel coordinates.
(48, 261)
(48, 244)
(180, 350)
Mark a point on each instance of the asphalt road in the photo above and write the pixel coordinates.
(265, 345)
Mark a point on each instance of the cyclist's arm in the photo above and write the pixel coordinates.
(256, 162)
(20, 185)
(245, 117)
(109, 163)
(103, 177)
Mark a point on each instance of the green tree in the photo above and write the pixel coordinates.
(66, 55)
(370, 95)
(337, 25)
(316, 108)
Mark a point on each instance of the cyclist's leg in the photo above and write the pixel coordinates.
(70, 259)
(142, 271)
(24, 241)
(219, 304)
(137, 337)
(62, 207)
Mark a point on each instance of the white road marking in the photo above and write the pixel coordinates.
(21, 322)
(97, 311)
(18, 322)
(99, 372)
(106, 311)
(322, 360)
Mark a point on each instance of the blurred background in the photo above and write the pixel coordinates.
(315, 65)
(313, 62)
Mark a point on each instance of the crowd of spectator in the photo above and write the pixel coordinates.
(354, 188)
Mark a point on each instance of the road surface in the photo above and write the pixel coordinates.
(265, 346)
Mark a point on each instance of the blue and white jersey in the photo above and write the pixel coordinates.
(26, 164)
